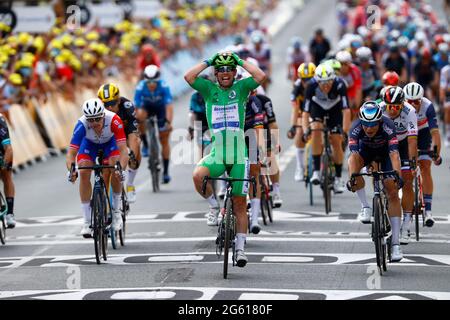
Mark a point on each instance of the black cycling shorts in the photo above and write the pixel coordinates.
(335, 118)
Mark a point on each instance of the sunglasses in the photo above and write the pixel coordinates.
(225, 69)
(394, 107)
(369, 124)
(325, 82)
(415, 102)
(92, 120)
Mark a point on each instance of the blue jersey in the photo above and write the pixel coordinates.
(197, 104)
(152, 100)
(384, 139)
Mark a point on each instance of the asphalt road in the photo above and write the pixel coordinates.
(170, 252)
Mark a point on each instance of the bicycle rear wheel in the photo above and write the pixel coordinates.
(228, 234)
(377, 234)
(310, 172)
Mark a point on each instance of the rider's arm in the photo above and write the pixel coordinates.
(168, 101)
(395, 161)
(434, 128)
(295, 105)
(394, 155)
(78, 135)
(310, 91)
(412, 134)
(138, 94)
(255, 72)
(443, 83)
(342, 89)
(117, 128)
(193, 73)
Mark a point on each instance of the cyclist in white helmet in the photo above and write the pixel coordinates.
(98, 129)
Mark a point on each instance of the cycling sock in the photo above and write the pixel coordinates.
(131, 176)
(395, 223)
(10, 202)
(447, 130)
(300, 158)
(363, 198)
(406, 219)
(86, 208)
(166, 166)
(338, 168)
(240, 241)
(276, 187)
(213, 201)
(116, 200)
(256, 205)
(428, 198)
(316, 160)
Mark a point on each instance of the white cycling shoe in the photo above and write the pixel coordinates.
(116, 220)
(429, 221)
(365, 216)
(299, 175)
(10, 221)
(212, 219)
(315, 179)
(241, 258)
(131, 194)
(339, 185)
(254, 226)
(397, 254)
(277, 202)
(86, 230)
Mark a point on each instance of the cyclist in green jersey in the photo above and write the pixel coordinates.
(225, 111)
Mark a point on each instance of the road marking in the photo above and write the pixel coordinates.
(267, 296)
(337, 259)
(220, 293)
(144, 295)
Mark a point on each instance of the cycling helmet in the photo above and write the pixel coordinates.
(324, 72)
(224, 60)
(413, 91)
(370, 111)
(306, 70)
(257, 37)
(403, 42)
(151, 72)
(93, 108)
(344, 57)
(109, 94)
(296, 42)
(336, 65)
(364, 54)
(394, 95)
(443, 48)
(391, 78)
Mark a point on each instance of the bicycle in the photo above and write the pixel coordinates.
(381, 229)
(101, 216)
(419, 203)
(227, 227)
(124, 210)
(326, 170)
(154, 159)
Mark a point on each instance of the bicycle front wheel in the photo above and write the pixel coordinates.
(377, 234)
(417, 208)
(2, 230)
(326, 183)
(125, 209)
(228, 235)
(96, 223)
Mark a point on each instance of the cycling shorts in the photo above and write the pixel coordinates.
(424, 143)
(217, 167)
(88, 150)
(370, 155)
(335, 117)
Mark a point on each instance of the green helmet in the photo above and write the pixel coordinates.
(336, 65)
(224, 60)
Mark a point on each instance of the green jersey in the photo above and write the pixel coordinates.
(225, 112)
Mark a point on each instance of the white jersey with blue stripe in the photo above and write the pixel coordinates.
(405, 123)
(426, 117)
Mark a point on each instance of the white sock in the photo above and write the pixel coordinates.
(363, 198)
(116, 200)
(300, 158)
(276, 188)
(256, 206)
(240, 241)
(406, 219)
(86, 209)
(447, 130)
(131, 176)
(395, 223)
(213, 202)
